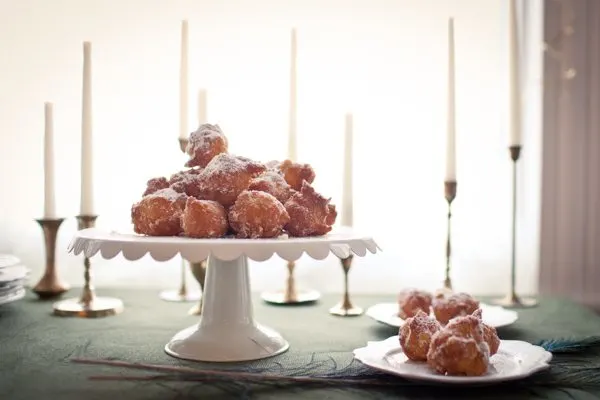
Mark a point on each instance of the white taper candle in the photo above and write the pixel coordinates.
(87, 160)
(451, 116)
(514, 78)
(347, 196)
(183, 83)
(292, 137)
(49, 194)
(202, 107)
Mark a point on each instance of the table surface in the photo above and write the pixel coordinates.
(35, 348)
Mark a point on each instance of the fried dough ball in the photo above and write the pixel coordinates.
(448, 306)
(256, 215)
(490, 335)
(186, 181)
(459, 348)
(204, 219)
(411, 301)
(226, 176)
(310, 213)
(294, 173)
(155, 184)
(204, 144)
(415, 335)
(159, 213)
(273, 183)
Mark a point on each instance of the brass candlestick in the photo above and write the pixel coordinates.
(291, 295)
(182, 294)
(345, 307)
(511, 300)
(50, 285)
(450, 195)
(199, 272)
(88, 305)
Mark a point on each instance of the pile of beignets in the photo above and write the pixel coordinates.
(446, 331)
(222, 195)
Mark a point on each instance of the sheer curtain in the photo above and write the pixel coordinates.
(383, 60)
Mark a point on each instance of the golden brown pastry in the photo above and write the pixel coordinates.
(257, 215)
(186, 181)
(411, 301)
(294, 173)
(448, 306)
(415, 335)
(204, 219)
(204, 144)
(226, 176)
(310, 213)
(490, 335)
(273, 183)
(159, 213)
(155, 184)
(459, 348)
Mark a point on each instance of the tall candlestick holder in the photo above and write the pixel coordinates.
(182, 294)
(512, 300)
(291, 295)
(88, 305)
(450, 194)
(199, 272)
(345, 308)
(50, 285)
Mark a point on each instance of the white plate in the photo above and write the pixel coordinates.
(10, 274)
(514, 360)
(8, 260)
(496, 316)
(13, 296)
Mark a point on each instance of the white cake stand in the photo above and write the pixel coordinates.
(227, 330)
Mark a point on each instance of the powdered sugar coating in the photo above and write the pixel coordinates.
(204, 219)
(411, 301)
(204, 144)
(226, 176)
(256, 215)
(155, 184)
(415, 335)
(273, 183)
(448, 306)
(310, 213)
(159, 213)
(186, 181)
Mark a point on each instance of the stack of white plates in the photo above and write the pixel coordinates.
(13, 277)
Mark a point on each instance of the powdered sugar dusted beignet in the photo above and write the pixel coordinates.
(310, 213)
(226, 176)
(460, 348)
(159, 213)
(204, 144)
(257, 215)
(490, 335)
(155, 184)
(447, 306)
(294, 173)
(415, 335)
(272, 182)
(411, 301)
(204, 219)
(186, 181)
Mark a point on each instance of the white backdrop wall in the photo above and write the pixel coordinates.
(383, 60)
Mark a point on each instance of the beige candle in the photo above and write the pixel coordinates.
(514, 84)
(87, 172)
(202, 107)
(292, 138)
(49, 195)
(183, 83)
(451, 118)
(347, 195)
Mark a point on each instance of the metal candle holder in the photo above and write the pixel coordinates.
(512, 300)
(291, 295)
(50, 285)
(345, 308)
(199, 272)
(88, 305)
(450, 194)
(182, 294)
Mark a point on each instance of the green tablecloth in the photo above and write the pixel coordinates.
(35, 348)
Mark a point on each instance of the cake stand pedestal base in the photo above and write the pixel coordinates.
(227, 331)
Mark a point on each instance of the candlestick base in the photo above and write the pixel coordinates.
(176, 296)
(97, 308)
(282, 297)
(346, 310)
(514, 301)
